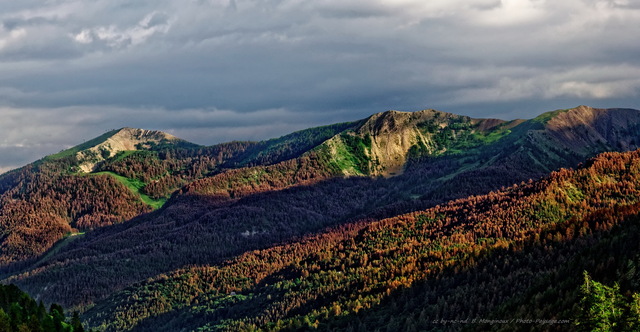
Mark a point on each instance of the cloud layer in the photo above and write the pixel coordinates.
(217, 70)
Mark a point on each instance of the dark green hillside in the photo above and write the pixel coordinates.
(291, 146)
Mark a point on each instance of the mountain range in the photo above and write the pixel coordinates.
(400, 221)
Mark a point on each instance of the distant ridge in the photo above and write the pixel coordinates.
(584, 127)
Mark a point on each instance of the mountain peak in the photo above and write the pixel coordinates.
(127, 138)
(382, 144)
(390, 121)
(582, 128)
(94, 151)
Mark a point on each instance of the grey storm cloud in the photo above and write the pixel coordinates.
(218, 70)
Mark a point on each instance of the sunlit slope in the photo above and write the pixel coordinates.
(355, 267)
(235, 197)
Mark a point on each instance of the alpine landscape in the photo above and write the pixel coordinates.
(328, 165)
(400, 221)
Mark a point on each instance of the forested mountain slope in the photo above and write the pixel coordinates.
(43, 201)
(116, 177)
(359, 266)
(228, 199)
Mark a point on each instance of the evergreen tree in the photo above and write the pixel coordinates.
(76, 323)
(605, 309)
(25, 314)
(5, 322)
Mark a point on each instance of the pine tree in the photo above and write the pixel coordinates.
(633, 316)
(5, 322)
(76, 323)
(603, 307)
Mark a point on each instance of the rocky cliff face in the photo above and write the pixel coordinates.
(393, 134)
(123, 140)
(382, 145)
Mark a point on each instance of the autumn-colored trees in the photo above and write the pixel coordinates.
(226, 249)
(43, 202)
(44, 205)
(354, 268)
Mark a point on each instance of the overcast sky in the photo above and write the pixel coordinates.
(217, 70)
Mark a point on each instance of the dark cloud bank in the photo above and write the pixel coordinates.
(218, 70)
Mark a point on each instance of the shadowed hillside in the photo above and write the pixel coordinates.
(357, 267)
(116, 177)
(171, 204)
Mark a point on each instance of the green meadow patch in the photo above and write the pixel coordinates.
(135, 186)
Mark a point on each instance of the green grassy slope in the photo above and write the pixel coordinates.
(135, 185)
